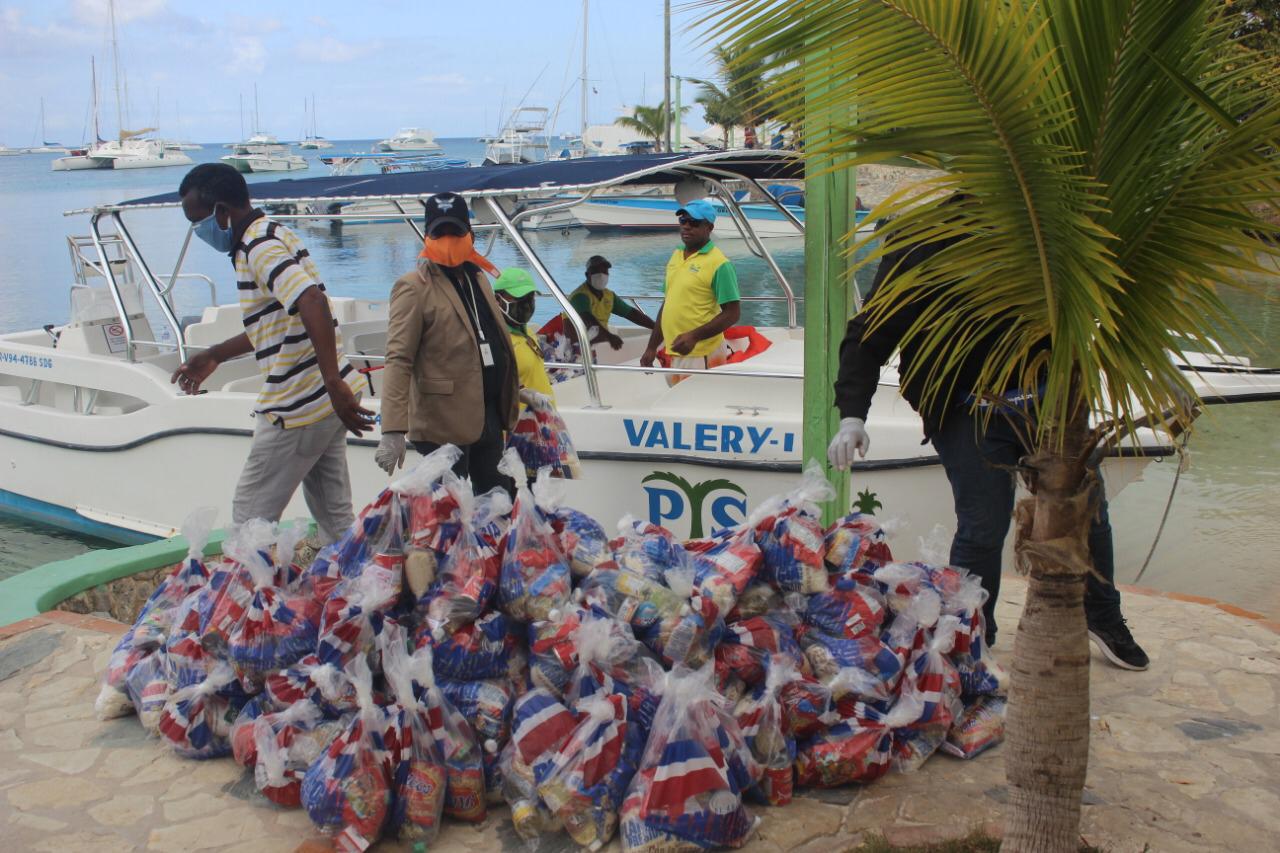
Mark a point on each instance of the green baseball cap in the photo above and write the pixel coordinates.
(515, 282)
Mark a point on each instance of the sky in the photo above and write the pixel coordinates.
(373, 65)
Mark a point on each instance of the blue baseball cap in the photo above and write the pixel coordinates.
(700, 209)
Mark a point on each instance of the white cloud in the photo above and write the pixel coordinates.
(330, 49)
(320, 22)
(249, 55)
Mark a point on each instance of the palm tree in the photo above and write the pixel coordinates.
(742, 97)
(649, 122)
(1106, 157)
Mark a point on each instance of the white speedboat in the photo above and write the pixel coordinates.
(523, 139)
(263, 152)
(313, 141)
(649, 213)
(93, 435)
(6, 151)
(410, 139)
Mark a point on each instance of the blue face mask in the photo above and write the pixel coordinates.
(208, 230)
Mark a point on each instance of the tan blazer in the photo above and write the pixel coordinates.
(434, 386)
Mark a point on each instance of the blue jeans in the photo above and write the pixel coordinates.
(979, 466)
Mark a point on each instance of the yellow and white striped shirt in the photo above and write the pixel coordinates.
(273, 269)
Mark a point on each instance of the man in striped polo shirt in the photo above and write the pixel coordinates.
(310, 394)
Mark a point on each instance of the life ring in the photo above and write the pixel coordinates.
(745, 342)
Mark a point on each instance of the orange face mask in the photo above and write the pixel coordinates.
(450, 251)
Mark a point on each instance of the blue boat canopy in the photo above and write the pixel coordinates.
(521, 179)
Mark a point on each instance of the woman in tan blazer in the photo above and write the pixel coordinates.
(450, 370)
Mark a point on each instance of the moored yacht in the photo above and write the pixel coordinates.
(96, 437)
(410, 139)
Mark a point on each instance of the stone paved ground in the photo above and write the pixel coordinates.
(1185, 756)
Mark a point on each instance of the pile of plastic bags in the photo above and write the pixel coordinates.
(454, 651)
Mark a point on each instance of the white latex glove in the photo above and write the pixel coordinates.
(390, 452)
(534, 398)
(851, 436)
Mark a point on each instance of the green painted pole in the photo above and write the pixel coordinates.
(829, 217)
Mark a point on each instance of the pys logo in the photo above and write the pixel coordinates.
(722, 501)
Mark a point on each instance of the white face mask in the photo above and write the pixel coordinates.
(598, 280)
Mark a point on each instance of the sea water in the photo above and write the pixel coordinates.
(1220, 539)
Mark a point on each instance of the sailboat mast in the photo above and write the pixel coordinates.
(241, 94)
(115, 64)
(93, 83)
(256, 127)
(43, 134)
(585, 32)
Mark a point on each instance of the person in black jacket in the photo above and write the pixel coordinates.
(978, 458)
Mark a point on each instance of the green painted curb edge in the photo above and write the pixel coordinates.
(44, 587)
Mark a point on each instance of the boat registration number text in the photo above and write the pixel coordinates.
(25, 360)
(706, 438)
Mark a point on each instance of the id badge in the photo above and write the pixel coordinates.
(486, 355)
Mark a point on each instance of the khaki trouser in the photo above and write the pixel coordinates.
(703, 362)
(314, 456)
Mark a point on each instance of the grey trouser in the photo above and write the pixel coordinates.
(280, 459)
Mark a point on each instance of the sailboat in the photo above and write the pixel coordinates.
(130, 149)
(312, 140)
(45, 146)
(263, 152)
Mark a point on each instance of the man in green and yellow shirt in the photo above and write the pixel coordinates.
(515, 291)
(596, 303)
(701, 298)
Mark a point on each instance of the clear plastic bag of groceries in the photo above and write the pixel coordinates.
(553, 649)
(933, 682)
(852, 607)
(148, 687)
(540, 726)
(542, 441)
(469, 572)
(608, 660)
(828, 655)
(856, 543)
(460, 748)
(583, 539)
(588, 777)
(156, 618)
(279, 627)
(309, 680)
(723, 572)
(419, 778)
(979, 727)
(357, 606)
(434, 495)
(856, 749)
(749, 643)
(649, 550)
(197, 718)
(347, 789)
(285, 744)
(535, 578)
(760, 716)
(482, 649)
(485, 703)
(790, 534)
(695, 769)
(530, 816)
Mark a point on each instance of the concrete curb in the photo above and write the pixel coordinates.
(41, 589)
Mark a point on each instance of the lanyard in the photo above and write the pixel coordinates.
(471, 301)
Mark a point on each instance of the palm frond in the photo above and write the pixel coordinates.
(1106, 177)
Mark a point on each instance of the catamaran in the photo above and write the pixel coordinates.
(312, 140)
(262, 152)
(130, 150)
(94, 436)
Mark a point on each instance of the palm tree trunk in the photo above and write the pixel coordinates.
(1048, 723)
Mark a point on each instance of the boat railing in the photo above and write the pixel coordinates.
(627, 368)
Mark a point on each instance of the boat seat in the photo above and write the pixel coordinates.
(245, 385)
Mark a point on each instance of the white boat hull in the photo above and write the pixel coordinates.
(152, 161)
(76, 162)
(147, 455)
(659, 214)
(266, 162)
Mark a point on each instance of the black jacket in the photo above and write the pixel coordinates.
(863, 352)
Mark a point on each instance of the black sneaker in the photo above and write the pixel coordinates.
(1114, 640)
